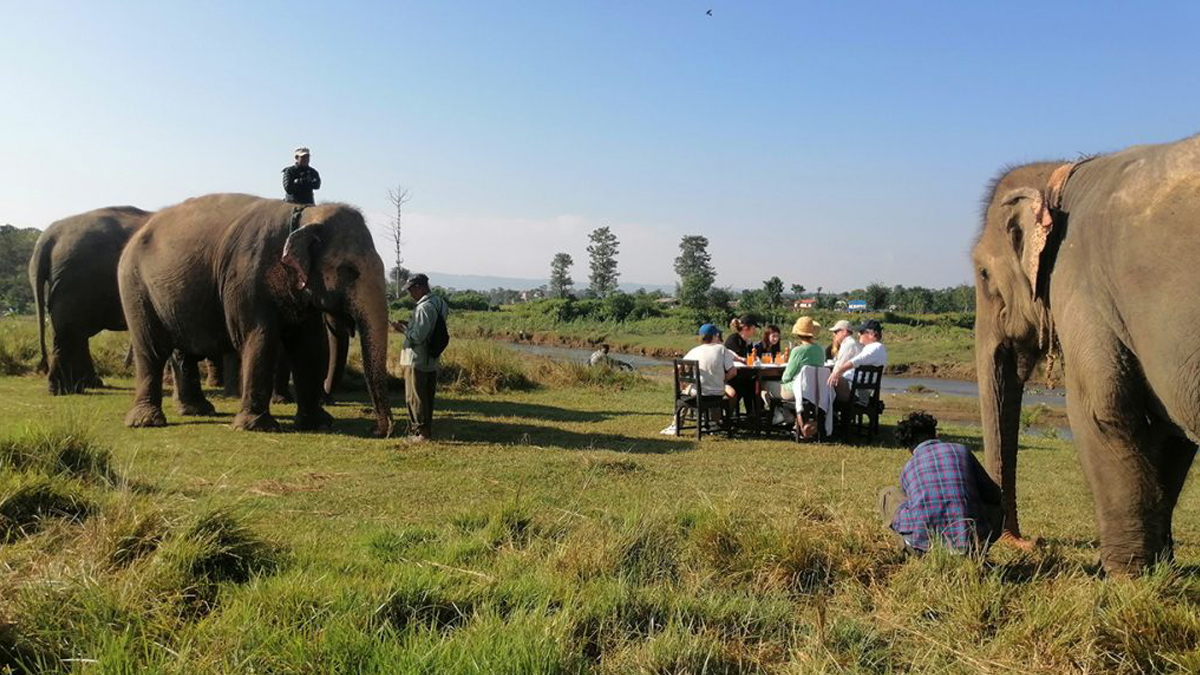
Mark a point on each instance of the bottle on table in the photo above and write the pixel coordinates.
(752, 356)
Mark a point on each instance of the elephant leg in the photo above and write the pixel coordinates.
(338, 349)
(151, 349)
(281, 389)
(1120, 453)
(1174, 462)
(231, 365)
(70, 363)
(91, 380)
(215, 372)
(306, 347)
(260, 355)
(189, 395)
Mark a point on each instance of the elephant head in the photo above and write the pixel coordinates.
(1013, 260)
(334, 264)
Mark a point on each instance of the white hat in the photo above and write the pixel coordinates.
(301, 151)
(841, 325)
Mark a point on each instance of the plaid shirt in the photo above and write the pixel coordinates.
(944, 489)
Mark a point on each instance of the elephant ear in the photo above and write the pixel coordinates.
(299, 252)
(1029, 229)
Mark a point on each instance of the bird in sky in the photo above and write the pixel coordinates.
(709, 12)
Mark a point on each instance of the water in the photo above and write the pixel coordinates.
(891, 385)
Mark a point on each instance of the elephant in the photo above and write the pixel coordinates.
(73, 271)
(238, 273)
(1092, 261)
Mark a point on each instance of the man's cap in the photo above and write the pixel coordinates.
(301, 151)
(840, 325)
(871, 325)
(708, 330)
(416, 280)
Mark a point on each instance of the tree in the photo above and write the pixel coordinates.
(695, 270)
(797, 290)
(773, 293)
(602, 255)
(16, 247)
(560, 275)
(877, 295)
(398, 197)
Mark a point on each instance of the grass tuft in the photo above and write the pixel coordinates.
(471, 366)
(27, 502)
(65, 448)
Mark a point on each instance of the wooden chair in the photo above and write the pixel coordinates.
(861, 413)
(689, 396)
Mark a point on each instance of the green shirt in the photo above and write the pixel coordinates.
(420, 329)
(803, 355)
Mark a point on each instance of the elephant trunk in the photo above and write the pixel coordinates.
(373, 334)
(1000, 392)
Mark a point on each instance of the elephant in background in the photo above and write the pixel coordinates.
(1095, 261)
(236, 273)
(73, 271)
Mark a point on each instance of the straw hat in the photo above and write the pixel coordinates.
(805, 327)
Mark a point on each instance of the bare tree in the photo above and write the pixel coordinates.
(398, 197)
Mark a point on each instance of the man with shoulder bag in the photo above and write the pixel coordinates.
(425, 338)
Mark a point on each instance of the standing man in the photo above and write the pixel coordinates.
(300, 179)
(420, 357)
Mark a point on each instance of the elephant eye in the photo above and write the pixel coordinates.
(347, 272)
(983, 273)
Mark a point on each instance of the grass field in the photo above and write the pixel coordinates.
(550, 529)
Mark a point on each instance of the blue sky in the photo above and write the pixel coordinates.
(828, 143)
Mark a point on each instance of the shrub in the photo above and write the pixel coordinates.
(482, 367)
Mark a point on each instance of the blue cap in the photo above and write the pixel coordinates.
(709, 330)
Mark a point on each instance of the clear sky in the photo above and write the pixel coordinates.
(829, 143)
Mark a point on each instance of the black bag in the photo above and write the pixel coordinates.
(440, 338)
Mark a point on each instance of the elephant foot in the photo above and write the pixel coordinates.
(248, 421)
(201, 408)
(94, 382)
(313, 421)
(282, 397)
(145, 415)
(383, 428)
(328, 399)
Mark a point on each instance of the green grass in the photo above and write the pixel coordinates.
(550, 529)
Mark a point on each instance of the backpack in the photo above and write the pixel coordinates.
(440, 338)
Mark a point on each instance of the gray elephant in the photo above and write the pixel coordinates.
(1095, 261)
(236, 273)
(73, 271)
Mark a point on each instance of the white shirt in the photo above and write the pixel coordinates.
(714, 360)
(847, 350)
(873, 354)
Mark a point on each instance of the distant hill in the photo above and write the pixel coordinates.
(479, 282)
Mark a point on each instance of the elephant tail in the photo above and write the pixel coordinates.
(39, 278)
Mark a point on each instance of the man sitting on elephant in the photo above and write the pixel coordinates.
(944, 493)
(420, 359)
(300, 179)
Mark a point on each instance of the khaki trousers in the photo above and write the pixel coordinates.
(420, 386)
(890, 499)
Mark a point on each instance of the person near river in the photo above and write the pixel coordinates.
(300, 179)
(945, 496)
(601, 359)
(872, 353)
(741, 336)
(807, 353)
(843, 347)
(418, 359)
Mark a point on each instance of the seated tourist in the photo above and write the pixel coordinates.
(741, 336)
(770, 343)
(717, 365)
(807, 353)
(844, 347)
(944, 494)
(872, 353)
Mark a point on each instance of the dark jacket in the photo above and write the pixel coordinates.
(764, 349)
(299, 183)
(738, 345)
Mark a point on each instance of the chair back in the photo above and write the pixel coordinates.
(867, 380)
(687, 378)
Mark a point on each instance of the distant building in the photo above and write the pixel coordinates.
(857, 305)
(532, 294)
(667, 302)
(804, 303)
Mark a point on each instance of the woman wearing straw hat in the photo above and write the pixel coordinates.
(807, 353)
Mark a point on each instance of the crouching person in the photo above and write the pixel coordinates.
(944, 495)
(424, 340)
